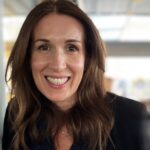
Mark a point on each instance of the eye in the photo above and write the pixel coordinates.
(43, 47)
(72, 48)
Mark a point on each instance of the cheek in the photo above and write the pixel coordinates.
(35, 66)
(78, 68)
(37, 63)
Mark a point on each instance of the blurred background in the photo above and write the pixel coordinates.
(124, 25)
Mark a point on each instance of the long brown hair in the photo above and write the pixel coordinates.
(90, 120)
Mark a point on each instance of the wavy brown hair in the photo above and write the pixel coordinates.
(34, 116)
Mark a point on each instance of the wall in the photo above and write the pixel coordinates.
(2, 84)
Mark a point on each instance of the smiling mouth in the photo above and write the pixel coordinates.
(57, 81)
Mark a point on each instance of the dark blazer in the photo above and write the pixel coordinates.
(127, 133)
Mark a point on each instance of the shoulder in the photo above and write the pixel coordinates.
(129, 117)
(124, 106)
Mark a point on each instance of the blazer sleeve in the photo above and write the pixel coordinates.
(7, 131)
(146, 132)
(130, 116)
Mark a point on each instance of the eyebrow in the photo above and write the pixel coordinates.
(67, 41)
(39, 40)
(73, 40)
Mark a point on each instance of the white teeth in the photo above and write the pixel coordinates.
(57, 81)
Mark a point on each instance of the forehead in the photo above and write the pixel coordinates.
(58, 24)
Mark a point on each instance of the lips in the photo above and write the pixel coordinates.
(57, 80)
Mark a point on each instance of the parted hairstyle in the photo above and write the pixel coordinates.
(32, 115)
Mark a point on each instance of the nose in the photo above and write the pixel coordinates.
(57, 61)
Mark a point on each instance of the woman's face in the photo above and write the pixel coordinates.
(58, 58)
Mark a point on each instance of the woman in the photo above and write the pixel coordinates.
(58, 100)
